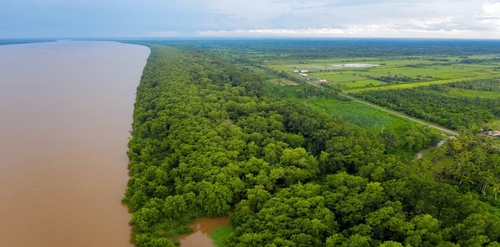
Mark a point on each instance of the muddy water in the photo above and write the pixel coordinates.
(65, 115)
(202, 228)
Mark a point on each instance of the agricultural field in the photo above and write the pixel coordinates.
(362, 115)
(362, 69)
(283, 81)
(358, 74)
(371, 119)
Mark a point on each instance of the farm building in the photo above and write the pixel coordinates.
(495, 133)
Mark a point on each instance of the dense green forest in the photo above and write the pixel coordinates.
(476, 163)
(480, 85)
(208, 139)
(438, 104)
(343, 48)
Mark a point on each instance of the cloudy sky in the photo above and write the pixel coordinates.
(250, 18)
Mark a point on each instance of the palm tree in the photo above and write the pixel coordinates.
(496, 189)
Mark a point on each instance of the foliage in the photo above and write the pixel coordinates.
(207, 137)
(203, 135)
(479, 85)
(477, 163)
(220, 235)
(435, 104)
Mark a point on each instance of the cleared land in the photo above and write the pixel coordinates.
(362, 115)
(360, 74)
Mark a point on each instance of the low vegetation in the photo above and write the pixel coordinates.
(220, 235)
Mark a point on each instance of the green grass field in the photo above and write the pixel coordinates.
(403, 72)
(362, 115)
(363, 83)
(218, 235)
(423, 71)
(442, 163)
(283, 82)
(356, 113)
(422, 84)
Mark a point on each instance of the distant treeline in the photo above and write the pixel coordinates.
(345, 48)
(23, 41)
(481, 85)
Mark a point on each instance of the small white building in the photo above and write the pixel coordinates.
(494, 133)
(304, 71)
(303, 74)
(295, 71)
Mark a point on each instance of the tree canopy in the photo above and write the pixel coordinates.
(208, 138)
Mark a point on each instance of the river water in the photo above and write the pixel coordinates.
(201, 231)
(65, 115)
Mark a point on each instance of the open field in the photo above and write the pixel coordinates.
(442, 163)
(362, 83)
(423, 84)
(283, 82)
(395, 72)
(362, 115)
(372, 119)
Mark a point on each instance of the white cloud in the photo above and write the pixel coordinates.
(491, 9)
(259, 10)
(366, 31)
(272, 32)
(397, 18)
(358, 18)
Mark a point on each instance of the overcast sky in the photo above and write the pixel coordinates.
(250, 18)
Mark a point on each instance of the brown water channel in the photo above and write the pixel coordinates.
(65, 115)
(202, 228)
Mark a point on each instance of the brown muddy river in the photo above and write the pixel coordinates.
(65, 115)
(202, 228)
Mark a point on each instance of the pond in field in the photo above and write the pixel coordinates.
(65, 115)
(202, 228)
(354, 65)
